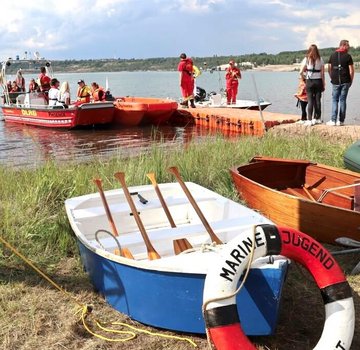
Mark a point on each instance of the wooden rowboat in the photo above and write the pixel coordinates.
(319, 200)
(167, 292)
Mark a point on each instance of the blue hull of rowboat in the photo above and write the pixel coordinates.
(173, 301)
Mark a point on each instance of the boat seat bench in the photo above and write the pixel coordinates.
(124, 208)
(192, 231)
(335, 198)
(331, 198)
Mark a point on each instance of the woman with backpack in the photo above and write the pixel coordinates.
(313, 68)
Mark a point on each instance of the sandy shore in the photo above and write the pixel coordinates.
(347, 133)
(278, 68)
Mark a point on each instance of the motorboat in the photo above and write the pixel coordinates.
(32, 108)
(217, 100)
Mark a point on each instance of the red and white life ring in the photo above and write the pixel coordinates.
(221, 316)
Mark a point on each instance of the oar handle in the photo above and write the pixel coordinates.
(214, 238)
(114, 230)
(152, 254)
(152, 178)
(125, 252)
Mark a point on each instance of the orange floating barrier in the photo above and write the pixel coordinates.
(237, 121)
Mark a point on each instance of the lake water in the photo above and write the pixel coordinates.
(28, 146)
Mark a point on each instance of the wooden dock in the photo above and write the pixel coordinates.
(234, 121)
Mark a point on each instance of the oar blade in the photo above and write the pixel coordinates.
(124, 252)
(180, 245)
(151, 177)
(153, 255)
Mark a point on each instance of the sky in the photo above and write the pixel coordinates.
(73, 29)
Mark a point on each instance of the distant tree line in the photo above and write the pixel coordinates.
(170, 63)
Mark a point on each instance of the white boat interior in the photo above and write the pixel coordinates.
(217, 101)
(227, 219)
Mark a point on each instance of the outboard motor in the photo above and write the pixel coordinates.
(109, 96)
(200, 94)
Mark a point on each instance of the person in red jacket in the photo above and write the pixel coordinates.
(44, 81)
(186, 78)
(232, 76)
(302, 99)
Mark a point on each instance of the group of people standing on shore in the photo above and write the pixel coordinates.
(312, 84)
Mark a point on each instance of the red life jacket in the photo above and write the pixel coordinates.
(44, 82)
(33, 87)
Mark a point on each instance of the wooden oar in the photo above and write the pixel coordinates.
(125, 252)
(151, 176)
(309, 194)
(152, 254)
(214, 238)
(180, 244)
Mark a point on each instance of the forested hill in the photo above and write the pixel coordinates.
(170, 63)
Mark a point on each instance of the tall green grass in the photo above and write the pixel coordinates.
(32, 214)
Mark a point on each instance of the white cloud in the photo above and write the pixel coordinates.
(198, 5)
(158, 28)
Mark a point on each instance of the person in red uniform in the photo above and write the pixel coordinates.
(44, 80)
(232, 76)
(186, 78)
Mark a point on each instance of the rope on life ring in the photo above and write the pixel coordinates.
(221, 316)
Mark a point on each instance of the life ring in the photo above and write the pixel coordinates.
(221, 316)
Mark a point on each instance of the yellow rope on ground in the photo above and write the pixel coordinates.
(152, 333)
(86, 310)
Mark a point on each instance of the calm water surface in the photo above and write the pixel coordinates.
(28, 146)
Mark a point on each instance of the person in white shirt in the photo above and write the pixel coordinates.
(54, 92)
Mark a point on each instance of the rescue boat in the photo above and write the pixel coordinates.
(133, 111)
(33, 109)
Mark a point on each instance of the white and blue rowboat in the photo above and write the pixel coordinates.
(168, 292)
